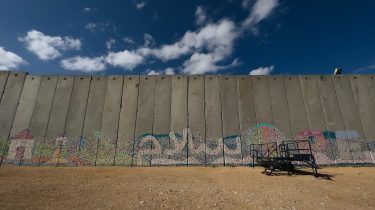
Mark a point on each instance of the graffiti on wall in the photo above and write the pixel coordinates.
(329, 147)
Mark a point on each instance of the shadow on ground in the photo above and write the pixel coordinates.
(299, 172)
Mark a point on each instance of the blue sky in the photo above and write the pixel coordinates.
(187, 36)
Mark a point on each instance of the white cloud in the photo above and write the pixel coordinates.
(208, 48)
(200, 16)
(88, 10)
(10, 60)
(128, 40)
(97, 27)
(167, 71)
(49, 47)
(206, 63)
(140, 5)
(84, 64)
(216, 38)
(260, 11)
(109, 44)
(153, 72)
(262, 70)
(125, 59)
(148, 40)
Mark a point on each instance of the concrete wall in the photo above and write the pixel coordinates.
(181, 120)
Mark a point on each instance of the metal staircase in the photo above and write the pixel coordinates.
(283, 157)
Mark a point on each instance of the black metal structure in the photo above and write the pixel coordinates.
(283, 157)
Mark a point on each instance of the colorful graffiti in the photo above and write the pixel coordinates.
(329, 147)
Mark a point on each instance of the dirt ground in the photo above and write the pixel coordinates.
(184, 188)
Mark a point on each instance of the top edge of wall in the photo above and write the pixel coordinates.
(198, 75)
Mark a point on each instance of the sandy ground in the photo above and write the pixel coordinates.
(184, 188)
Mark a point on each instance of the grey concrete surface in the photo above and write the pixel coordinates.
(279, 102)
(197, 121)
(9, 102)
(110, 121)
(42, 113)
(145, 121)
(3, 81)
(214, 126)
(77, 108)
(181, 120)
(295, 99)
(262, 99)
(128, 117)
(363, 100)
(247, 115)
(314, 109)
(26, 104)
(231, 122)
(162, 118)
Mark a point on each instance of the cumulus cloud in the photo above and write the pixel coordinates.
(140, 5)
(217, 38)
(262, 70)
(200, 16)
(206, 49)
(48, 47)
(260, 11)
(88, 10)
(153, 72)
(125, 59)
(200, 63)
(167, 71)
(148, 40)
(97, 27)
(84, 64)
(10, 60)
(128, 40)
(109, 44)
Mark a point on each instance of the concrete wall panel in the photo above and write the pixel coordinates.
(162, 122)
(41, 116)
(314, 109)
(128, 116)
(333, 118)
(279, 102)
(144, 124)
(26, 104)
(371, 85)
(75, 120)
(8, 107)
(3, 82)
(179, 119)
(94, 112)
(247, 116)
(231, 122)
(365, 105)
(214, 127)
(77, 109)
(317, 125)
(110, 121)
(9, 102)
(262, 100)
(350, 114)
(60, 107)
(197, 121)
(54, 140)
(348, 105)
(296, 103)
